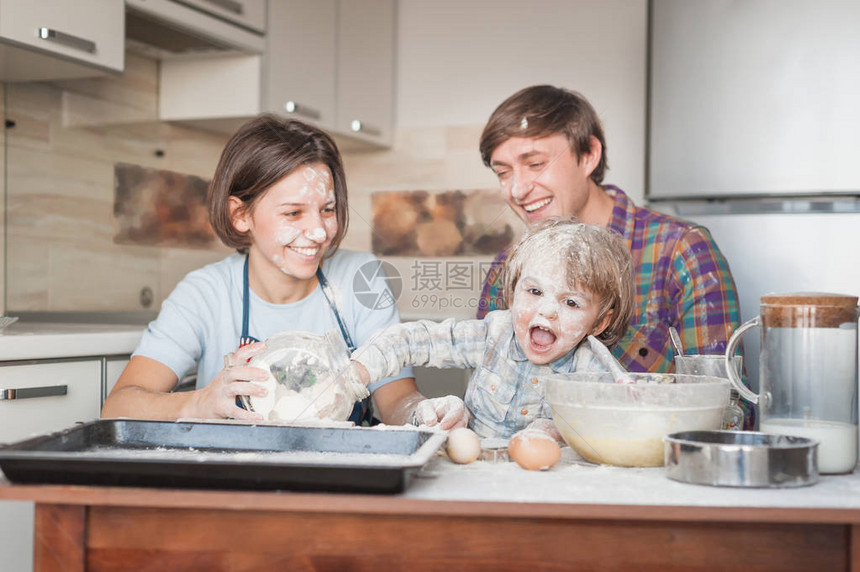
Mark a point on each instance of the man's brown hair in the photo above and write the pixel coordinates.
(541, 111)
(262, 152)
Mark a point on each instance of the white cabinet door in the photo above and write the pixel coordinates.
(327, 62)
(45, 397)
(90, 32)
(23, 414)
(365, 69)
(300, 60)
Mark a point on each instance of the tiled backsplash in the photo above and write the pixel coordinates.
(61, 153)
(435, 160)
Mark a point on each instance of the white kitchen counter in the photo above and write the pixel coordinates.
(573, 481)
(37, 340)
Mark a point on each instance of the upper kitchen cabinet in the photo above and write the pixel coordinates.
(326, 62)
(301, 60)
(59, 39)
(365, 69)
(331, 63)
(169, 29)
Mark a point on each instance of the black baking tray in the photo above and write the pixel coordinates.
(125, 452)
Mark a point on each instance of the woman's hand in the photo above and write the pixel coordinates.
(218, 399)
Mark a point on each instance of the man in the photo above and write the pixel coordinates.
(546, 146)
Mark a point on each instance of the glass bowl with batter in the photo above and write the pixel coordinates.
(624, 424)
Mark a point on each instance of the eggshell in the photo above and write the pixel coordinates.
(464, 445)
(534, 450)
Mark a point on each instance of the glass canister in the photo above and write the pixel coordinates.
(714, 365)
(808, 372)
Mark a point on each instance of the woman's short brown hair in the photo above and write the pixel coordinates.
(262, 152)
(595, 257)
(541, 111)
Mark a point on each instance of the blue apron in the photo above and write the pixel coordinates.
(362, 410)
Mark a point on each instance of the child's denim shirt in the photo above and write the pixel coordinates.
(506, 390)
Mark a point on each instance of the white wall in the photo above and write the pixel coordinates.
(458, 59)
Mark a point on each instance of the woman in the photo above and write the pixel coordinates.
(279, 198)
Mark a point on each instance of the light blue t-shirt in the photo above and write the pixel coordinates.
(201, 320)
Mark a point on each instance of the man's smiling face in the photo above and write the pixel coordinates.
(541, 177)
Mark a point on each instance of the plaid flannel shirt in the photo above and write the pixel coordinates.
(680, 279)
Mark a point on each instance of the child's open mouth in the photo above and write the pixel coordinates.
(541, 338)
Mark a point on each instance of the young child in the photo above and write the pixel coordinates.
(563, 281)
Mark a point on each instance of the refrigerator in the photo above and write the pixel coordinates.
(754, 132)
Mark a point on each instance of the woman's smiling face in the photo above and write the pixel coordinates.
(293, 223)
(551, 316)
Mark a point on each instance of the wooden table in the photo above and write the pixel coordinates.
(102, 529)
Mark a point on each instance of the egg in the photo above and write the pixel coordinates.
(534, 450)
(464, 445)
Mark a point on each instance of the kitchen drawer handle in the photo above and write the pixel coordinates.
(31, 392)
(67, 40)
(230, 5)
(293, 107)
(360, 126)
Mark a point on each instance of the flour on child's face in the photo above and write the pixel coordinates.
(551, 316)
(295, 220)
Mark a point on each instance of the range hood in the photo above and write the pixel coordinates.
(168, 29)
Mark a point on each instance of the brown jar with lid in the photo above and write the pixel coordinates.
(808, 310)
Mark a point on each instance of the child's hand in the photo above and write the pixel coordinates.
(544, 426)
(359, 372)
(355, 381)
(448, 412)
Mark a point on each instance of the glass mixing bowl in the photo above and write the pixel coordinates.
(624, 424)
(307, 378)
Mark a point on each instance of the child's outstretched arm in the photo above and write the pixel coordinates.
(422, 343)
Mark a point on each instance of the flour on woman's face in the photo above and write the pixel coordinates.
(295, 220)
(551, 316)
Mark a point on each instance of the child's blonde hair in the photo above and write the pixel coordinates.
(595, 258)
